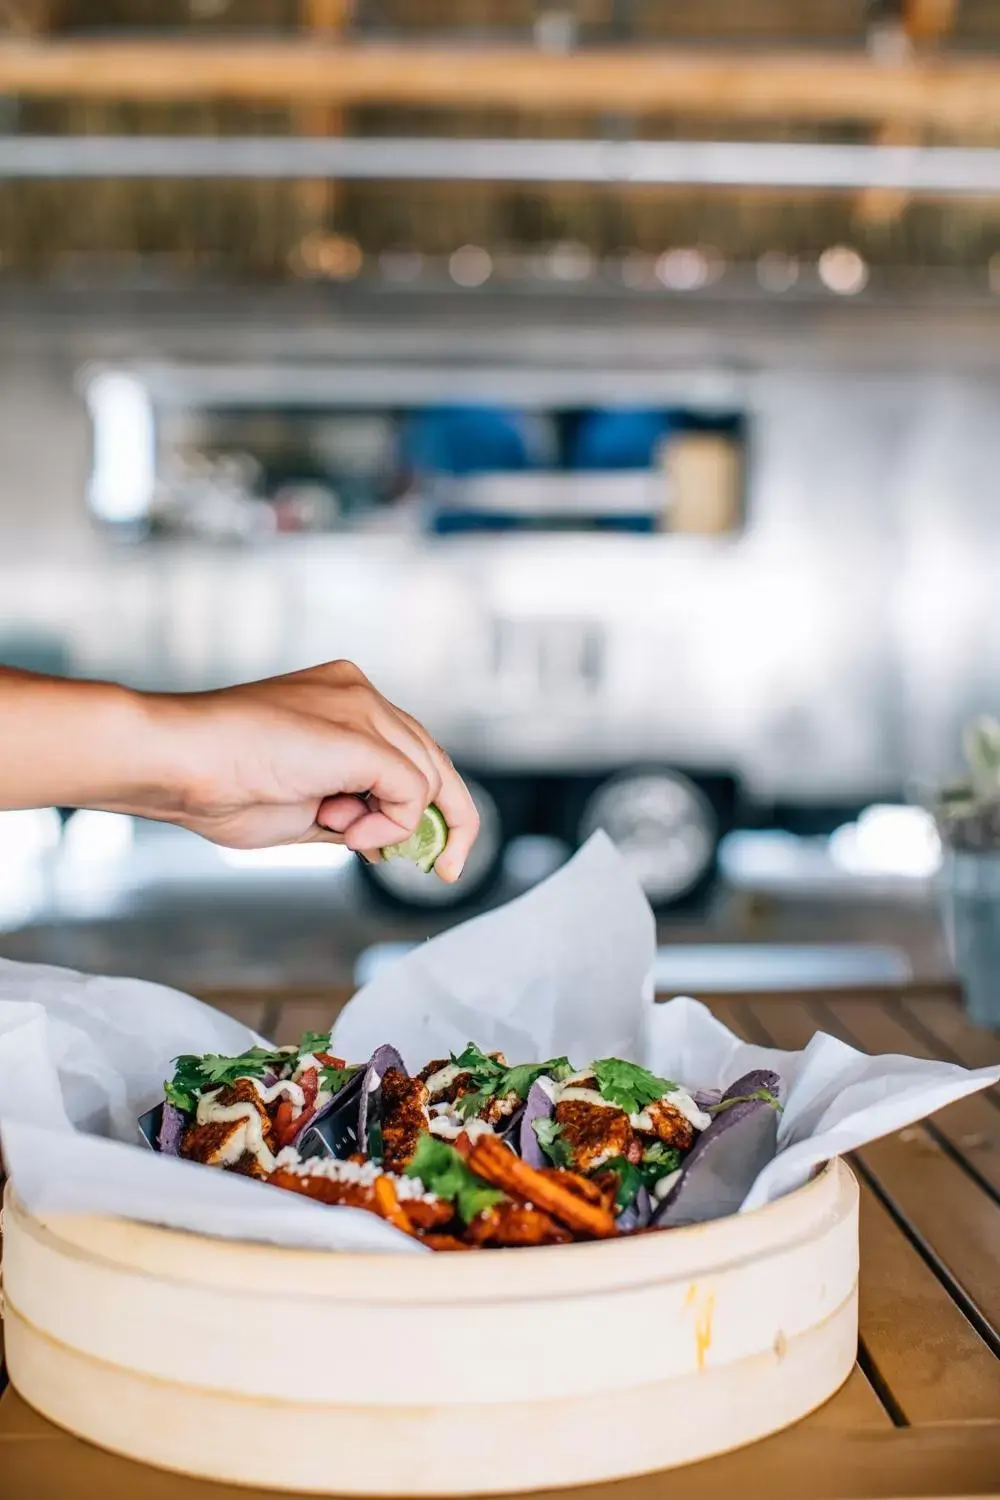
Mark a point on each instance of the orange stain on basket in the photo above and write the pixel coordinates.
(704, 1313)
(703, 1328)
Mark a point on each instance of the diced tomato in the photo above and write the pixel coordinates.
(285, 1123)
(329, 1061)
(308, 1082)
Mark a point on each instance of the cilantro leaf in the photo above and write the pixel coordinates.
(194, 1075)
(765, 1095)
(658, 1161)
(471, 1105)
(661, 1155)
(374, 1142)
(313, 1041)
(334, 1079)
(629, 1180)
(475, 1197)
(518, 1080)
(549, 1135)
(253, 1063)
(444, 1171)
(496, 1081)
(179, 1098)
(626, 1084)
(187, 1084)
(477, 1062)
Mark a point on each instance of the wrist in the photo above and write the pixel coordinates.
(165, 759)
(131, 760)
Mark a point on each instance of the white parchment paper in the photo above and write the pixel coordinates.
(564, 969)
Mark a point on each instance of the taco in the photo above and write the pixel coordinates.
(240, 1112)
(728, 1156)
(614, 1117)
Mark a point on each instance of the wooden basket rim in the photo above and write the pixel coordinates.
(179, 1255)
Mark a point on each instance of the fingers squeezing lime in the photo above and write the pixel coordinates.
(425, 845)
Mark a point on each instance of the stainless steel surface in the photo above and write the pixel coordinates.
(828, 652)
(786, 164)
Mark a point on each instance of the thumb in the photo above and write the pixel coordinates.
(338, 814)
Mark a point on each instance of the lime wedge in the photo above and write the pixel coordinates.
(425, 845)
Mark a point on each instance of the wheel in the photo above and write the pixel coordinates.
(664, 825)
(399, 884)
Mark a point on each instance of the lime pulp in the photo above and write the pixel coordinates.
(425, 845)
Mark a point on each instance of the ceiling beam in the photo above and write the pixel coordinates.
(935, 171)
(952, 93)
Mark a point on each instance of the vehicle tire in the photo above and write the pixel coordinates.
(400, 886)
(665, 826)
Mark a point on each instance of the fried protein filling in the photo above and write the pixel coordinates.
(444, 1165)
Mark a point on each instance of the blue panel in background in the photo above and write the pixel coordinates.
(616, 440)
(465, 440)
(459, 522)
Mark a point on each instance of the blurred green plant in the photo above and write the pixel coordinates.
(968, 809)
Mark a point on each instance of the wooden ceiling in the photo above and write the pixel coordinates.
(898, 72)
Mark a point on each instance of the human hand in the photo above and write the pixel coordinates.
(317, 755)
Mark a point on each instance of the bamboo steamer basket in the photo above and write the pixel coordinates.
(483, 1373)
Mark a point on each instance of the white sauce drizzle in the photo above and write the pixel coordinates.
(285, 1086)
(444, 1078)
(449, 1127)
(247, 1140)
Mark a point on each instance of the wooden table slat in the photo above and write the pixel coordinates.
(805, 1461)
(923, 1348)
(945, 1209)
(854, 1407)
(971, 1126)
(945, 1022)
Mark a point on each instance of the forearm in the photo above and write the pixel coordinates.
(317, 755)
(82, 744)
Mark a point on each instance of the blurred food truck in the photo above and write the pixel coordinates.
(661, 597)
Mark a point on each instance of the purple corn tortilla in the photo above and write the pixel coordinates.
(727, 1157)
(172, 1128)
(381, 1060)
(753, 1083)
(537, 1106)
(638, 1213)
